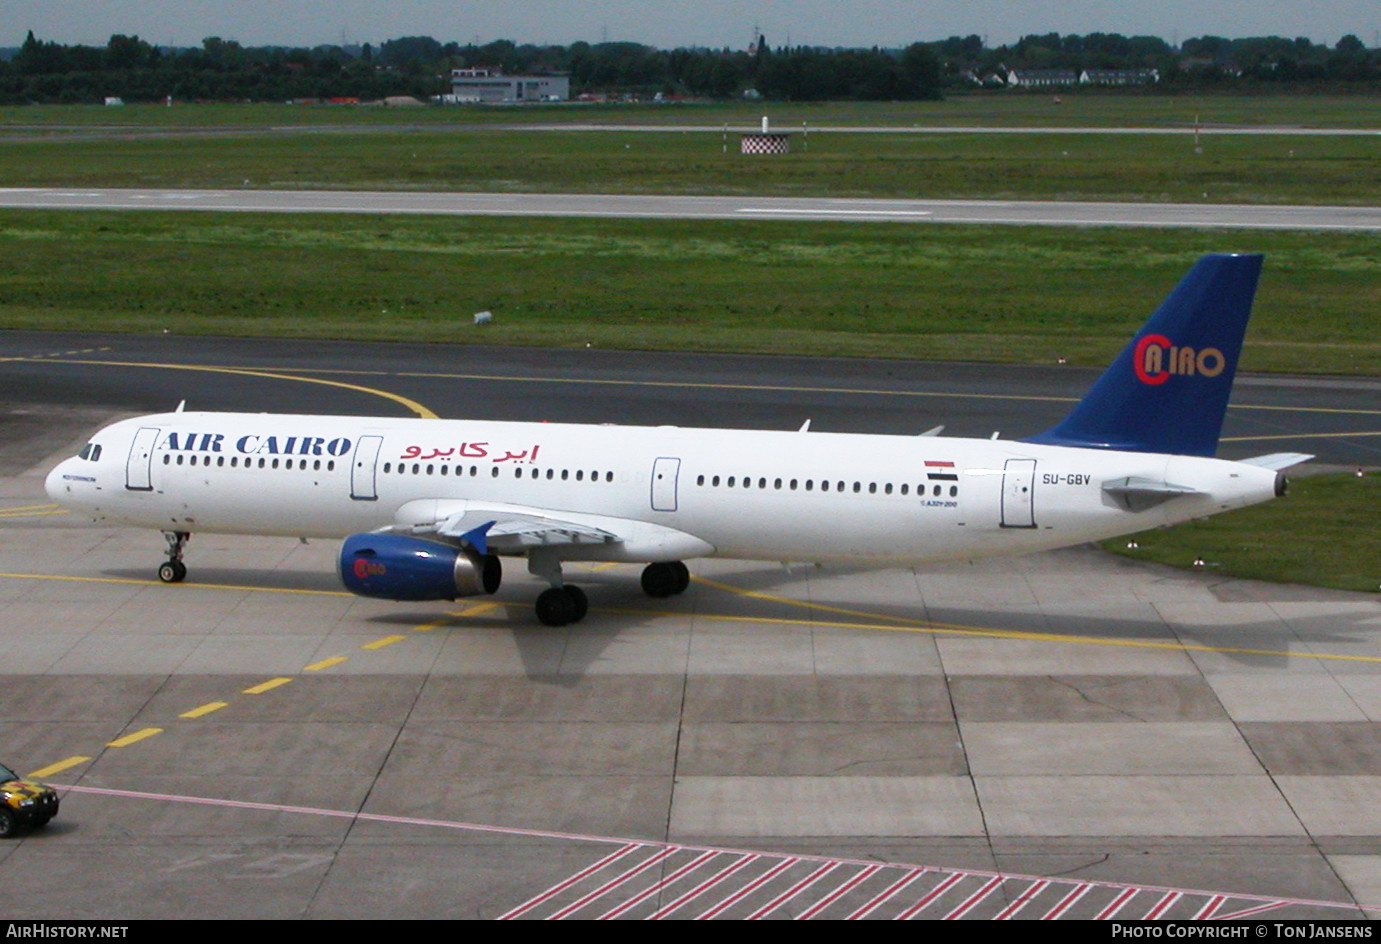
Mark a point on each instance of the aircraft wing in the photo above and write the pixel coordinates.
(501, 528)
(508, 531)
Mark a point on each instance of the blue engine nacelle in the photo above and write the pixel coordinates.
(396, 567)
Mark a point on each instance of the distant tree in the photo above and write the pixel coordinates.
(130, 52)
(1351, 62)
(221, 54)
(410, 53)
(1213, 48)
(500, 54)
(920, 72)
(419, 65)
(1147, 50)
(39, 58)
(1350, 45)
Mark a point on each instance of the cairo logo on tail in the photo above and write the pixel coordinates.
(1156, 359)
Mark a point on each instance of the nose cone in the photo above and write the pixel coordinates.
(56, 485)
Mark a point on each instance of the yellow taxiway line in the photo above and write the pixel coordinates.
(407, 402)
(848, 619)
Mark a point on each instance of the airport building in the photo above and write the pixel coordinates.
(1049, 78)
(491, 85)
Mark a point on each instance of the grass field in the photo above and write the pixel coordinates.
(1075, 108)
(494, 149)
(1226, 169)
(996, 293)
(1029, 294)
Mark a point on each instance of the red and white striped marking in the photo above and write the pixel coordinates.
(779, 886)
(656, 880)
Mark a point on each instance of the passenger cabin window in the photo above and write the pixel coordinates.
(823, 485)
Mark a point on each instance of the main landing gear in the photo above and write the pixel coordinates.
(560, 603)
(665, 579)
(563, 603)
(173, 570)
(557, 606)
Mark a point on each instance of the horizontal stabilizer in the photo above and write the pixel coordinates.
(1135, 493)
(1278, 460)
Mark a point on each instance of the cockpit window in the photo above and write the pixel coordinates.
(91, 451)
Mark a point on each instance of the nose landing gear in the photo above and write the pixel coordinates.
(173, 570)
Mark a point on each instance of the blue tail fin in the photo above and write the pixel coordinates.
(1168, 389)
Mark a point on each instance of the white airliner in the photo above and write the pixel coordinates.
(427, 508)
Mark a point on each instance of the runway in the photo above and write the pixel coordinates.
(975, 212)
(1067, 735)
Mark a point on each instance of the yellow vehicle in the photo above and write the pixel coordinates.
(24, 804)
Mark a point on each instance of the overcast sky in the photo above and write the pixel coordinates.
(671, 23)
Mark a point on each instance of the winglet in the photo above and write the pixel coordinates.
(1167, 392)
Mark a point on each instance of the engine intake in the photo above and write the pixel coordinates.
(396, 567)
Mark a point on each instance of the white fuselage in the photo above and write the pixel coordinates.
(788, 496)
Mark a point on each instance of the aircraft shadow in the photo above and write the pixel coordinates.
(566, 654)
(211, 578)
